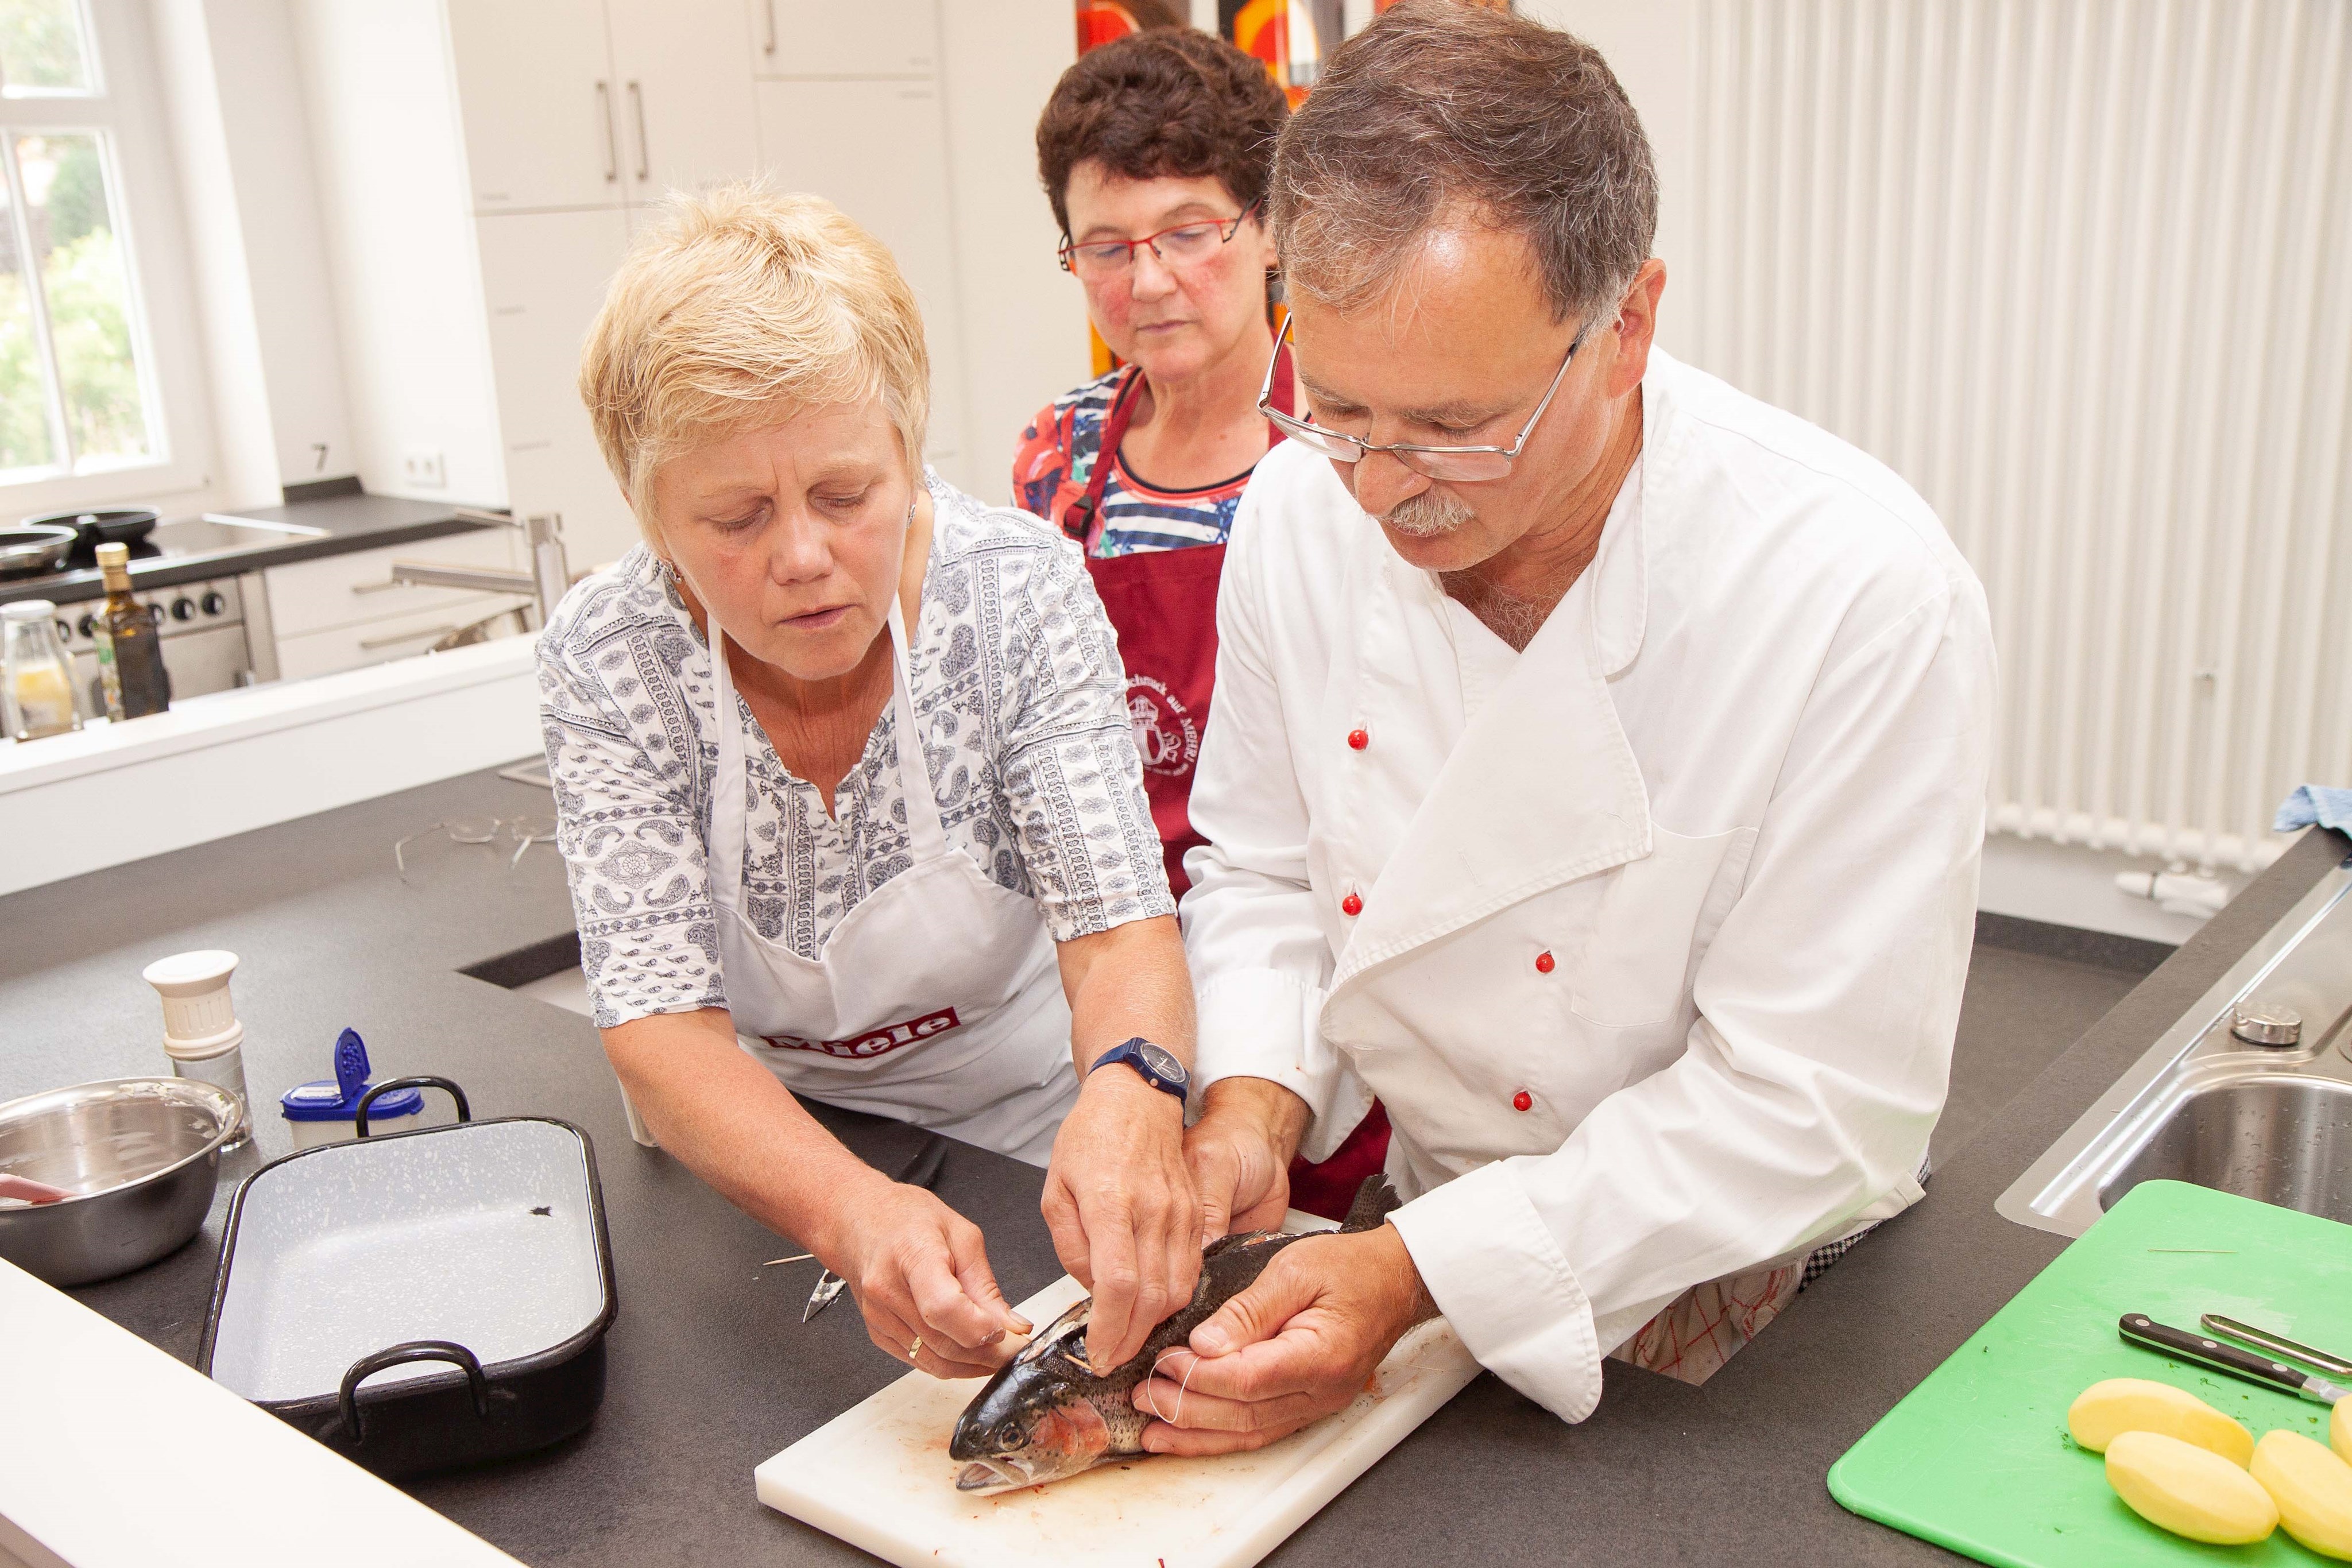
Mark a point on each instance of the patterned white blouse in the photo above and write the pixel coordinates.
(1016, 681)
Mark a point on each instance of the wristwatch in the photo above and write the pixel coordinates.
(1155, 1064)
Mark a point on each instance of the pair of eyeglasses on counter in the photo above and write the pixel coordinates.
(1432, 462)
(521, 831)
(1185, 244)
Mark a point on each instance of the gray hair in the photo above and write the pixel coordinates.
(1440, 109)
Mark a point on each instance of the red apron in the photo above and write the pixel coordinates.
(1164, 606)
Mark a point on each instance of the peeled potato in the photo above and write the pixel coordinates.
(2105, 1410)
(2313, 1488)
(2340, 1431)
(2188, 1491)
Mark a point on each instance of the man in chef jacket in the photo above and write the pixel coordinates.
(1605, 798)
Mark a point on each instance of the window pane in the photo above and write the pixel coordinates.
(42, 53)
(24, 440)
(83, 276)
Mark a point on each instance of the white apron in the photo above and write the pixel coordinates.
(937, 1000)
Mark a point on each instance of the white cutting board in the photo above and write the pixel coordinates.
(878, 1475)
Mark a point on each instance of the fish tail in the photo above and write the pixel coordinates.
(1375, 1201)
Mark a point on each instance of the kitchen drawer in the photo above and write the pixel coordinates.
(379, 642)
(351, 589)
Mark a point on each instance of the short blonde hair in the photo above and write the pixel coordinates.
(740, 306)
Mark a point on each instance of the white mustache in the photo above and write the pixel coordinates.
(1428, 514)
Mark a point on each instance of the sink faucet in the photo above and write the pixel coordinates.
(545, 583)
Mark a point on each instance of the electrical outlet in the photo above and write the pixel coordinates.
(423, 469)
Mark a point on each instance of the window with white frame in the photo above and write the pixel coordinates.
(78, 386)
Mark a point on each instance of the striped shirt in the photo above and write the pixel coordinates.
(1055, 460)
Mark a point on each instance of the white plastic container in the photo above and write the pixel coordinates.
(201, 1034)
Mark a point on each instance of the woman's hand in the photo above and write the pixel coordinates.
(921, 1275)
(1239, 1154)
(1120, 1205)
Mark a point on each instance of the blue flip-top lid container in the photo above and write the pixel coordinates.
(337, 1098)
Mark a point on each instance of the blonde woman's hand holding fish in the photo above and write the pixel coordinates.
(1297, 1345)
(1118, 1197)
(1120, 1205)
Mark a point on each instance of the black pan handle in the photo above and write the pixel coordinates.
(367, 1366)
(2139, 1328)
(464, 1112)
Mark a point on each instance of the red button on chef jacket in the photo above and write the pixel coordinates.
(1352, 906)
(1358, 739)
(1522, 1100)
(1543, 963)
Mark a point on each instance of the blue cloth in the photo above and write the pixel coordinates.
(2314, 803)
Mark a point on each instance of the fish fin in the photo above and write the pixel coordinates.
(1375, 1201)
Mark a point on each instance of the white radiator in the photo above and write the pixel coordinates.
(2081, 270)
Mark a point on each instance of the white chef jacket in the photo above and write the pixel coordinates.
(1692, 879)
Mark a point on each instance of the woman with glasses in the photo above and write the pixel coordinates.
(1154, 151)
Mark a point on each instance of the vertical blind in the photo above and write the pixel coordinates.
(2081, 271)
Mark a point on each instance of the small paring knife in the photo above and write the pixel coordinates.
(2139, 1328)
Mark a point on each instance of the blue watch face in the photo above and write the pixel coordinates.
(1162, 1062)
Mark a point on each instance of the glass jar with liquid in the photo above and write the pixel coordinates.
(37, 683)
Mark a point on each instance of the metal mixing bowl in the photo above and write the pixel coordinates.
(141, 1156)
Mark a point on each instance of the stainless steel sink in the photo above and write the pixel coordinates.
(2206, 1104)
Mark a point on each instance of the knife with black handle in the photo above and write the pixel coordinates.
(2139, 1328)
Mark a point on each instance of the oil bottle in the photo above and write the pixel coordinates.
(129, 650)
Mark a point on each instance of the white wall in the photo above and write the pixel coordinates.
(407, 287)
(241, 146)
(267, 132)
(1025, 319)
(219, 267)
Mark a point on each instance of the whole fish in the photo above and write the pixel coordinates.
(1047, 1415)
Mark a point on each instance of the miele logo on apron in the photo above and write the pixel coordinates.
(876, 1042)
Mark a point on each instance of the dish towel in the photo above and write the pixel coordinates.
(2314, 803)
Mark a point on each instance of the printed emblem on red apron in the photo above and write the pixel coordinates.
(1166, 734)
(874, 1042)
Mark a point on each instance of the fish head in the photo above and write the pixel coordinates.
(1036, 1420)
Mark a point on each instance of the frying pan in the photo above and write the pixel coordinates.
(27, 551)
(101, 526)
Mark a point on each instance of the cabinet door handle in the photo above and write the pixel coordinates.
(645, 153)
(377, 587)
(768, 47)
(611, 142)
(370, 644)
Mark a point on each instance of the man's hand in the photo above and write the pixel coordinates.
(1119, 1203)
(921, 1275)
(1239, 1154)
(1298, 1344)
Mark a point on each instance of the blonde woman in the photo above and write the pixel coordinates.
(891, 849)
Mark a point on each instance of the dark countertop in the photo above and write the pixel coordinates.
(711, 1371)
(352, 522)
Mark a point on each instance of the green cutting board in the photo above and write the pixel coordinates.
(1977, 1457)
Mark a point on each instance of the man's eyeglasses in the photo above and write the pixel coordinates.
(1186, 245)
(1434, 462)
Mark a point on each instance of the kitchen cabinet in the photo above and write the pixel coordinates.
(827, 39)
(600, 103)
(682, 94)
(543, 281)
(510, 132)
(536, 91)
(877, 149)
(341, 611)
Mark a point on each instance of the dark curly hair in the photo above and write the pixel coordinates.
(1168, 101)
